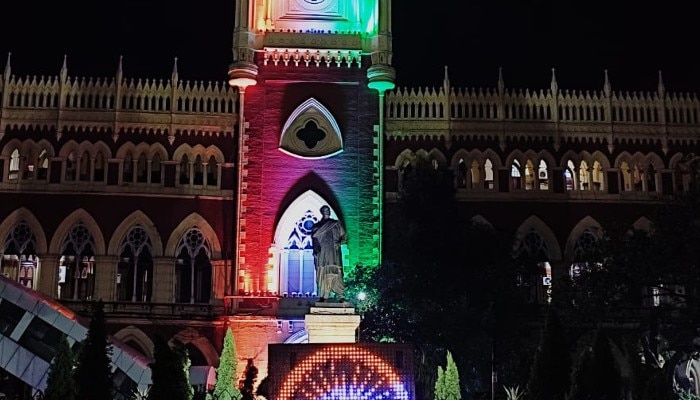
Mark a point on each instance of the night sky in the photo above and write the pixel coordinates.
(633, 40)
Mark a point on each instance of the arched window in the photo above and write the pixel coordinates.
(193, 272)
(198, 170)
(19, 261)
(128, 169)
(404, 172)
(461, 176)
(76, 268)
(529, 175)
(651, 178)
(637, 178)
(535, 275)
(142, 169)
(99, 174)
(475, 175)
(135, 269)
(29, 167)
(85, 167)
(598, 176)
(43, 165)
(70, 167)
(515, 179)
(212, 171)
(626, 176)
(184, 170)
(583, 176)
(298, 260)
(488, 174)
(543, 175)
(156, 169)
(14, 165)
(583, 247)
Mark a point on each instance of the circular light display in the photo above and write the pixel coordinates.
(314, 1)
(343, 373)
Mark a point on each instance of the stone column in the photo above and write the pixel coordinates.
(106, 278)
(48, 274)
(163, 280)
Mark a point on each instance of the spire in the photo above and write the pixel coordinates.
(64, 68)
(120, 70)
(446, 81)
(606, 86)
(661, 90)
(8, 69)
(553, 85)
(501, 84)
(174, 77)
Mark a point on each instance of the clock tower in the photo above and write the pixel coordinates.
(311, 77)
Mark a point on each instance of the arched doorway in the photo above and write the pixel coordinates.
(19, 261)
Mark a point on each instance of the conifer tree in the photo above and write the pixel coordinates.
(226, 388)
(447, 384)
(170, 372)
(93, 373)
(60, 384)
(549, 377)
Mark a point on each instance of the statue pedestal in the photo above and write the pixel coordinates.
(332, 323)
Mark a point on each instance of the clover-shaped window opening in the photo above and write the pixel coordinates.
(311, 132)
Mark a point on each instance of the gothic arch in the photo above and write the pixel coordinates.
(23, 214)
(64, 228)
(406, 155)
(547, 157)
(157, 148)
(624, 156)
(535, 223)
(191, 221)
(437, 155)
(311, 111)
(183, 149)
(587, 222)
(11, 146)
(643, 224)
(309, 200)
(102, 147)
(191, 336)
(127, 147)
(656, 161)
(68, 147)
(479, 219)
(460, 154)
(132, 333)
(515, 155)
(601, 158)
(214, 151)
(493, 156)
(675, 159)
(127, 223)
(570, 156)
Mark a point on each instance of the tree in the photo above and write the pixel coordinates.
(447, 384)
(60, 384)
(170, 372)
(93, 373)
(549, 376)
(225, 388)
(250, 376)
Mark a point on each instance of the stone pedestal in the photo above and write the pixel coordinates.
(332, 323)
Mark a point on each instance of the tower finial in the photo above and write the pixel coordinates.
(64, 68)
(446, 81)
(661, 89)
(120, 70)
(501, 83)
(553, 85)
(8, 68)
(607, 89)
(174, 77)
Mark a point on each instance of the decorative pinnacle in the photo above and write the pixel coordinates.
(120, 71)
(553, 85)
(8, 69)
(661, 89)
(501, 83)
(606, 86)
(175, 77)
(446, 80)
(64, 68)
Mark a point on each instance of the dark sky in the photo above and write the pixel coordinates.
(633, 40)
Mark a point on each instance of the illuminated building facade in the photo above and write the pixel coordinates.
(186, 206)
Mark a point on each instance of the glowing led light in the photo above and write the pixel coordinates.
(362, 296)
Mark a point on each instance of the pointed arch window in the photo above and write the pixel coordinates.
(212, 172)
(184, 170)
(461, 175)
(198, 170)
(569, 176)
(128, 169)
(488, 174)
(135, 269)
(76, 268)
(297, 259)
(14, 165)
(529, 175)
(651, 178)
(142, 169)
(582, 249)
(193, 272)
(99, 170)
(19, 261)
(43, 165)
(156, 169)
(404, 173)
(535, 274)
(475, 174)
(626, 176)
(598, 176)
(637, 172)
(70, 167)
(85, 167)
(515, 179)
(584, 176)
(29, 167)
(543, 175)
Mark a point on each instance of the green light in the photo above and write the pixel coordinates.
(381, 86)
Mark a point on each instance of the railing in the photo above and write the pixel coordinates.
(150, 310)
